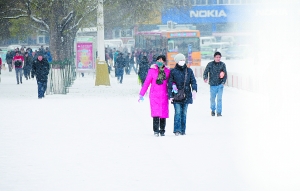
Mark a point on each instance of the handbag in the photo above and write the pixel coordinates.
(180, 95)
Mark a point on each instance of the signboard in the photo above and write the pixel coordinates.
(229, 13)
(85, 53)
(84, 56)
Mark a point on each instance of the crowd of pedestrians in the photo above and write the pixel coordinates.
(30, 64)
(124, 62)
(177, 86)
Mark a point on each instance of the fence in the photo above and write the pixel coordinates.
(235, 80)
(61, 76)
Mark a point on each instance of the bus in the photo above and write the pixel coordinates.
(172, 42)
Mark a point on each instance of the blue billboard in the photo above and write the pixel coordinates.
(228, 13)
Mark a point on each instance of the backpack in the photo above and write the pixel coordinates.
(18, 63)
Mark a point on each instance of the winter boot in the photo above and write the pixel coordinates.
(213, 113)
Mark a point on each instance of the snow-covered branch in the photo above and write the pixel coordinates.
(42, 30)
(83, 16)
(38, 20)
(15, 17)
(66, 20)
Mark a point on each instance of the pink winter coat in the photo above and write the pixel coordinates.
(158, 93)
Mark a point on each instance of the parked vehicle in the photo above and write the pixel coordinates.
(229, 39)
(221, 47)
(238, 52)
(118, 43)
(207, 40)
(14, 46)
(207, 52)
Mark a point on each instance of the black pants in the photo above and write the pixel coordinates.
(159, 123)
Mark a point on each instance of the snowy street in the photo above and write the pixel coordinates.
(101, 138)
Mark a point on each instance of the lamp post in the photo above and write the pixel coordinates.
(102, 77)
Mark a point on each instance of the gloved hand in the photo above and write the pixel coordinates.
(194, 94)
(175, 90)
(222, 74)
(205, 80)
(141, 98)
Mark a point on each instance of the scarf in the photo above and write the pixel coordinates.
(161, 75)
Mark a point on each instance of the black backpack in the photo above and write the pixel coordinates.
(18, 63)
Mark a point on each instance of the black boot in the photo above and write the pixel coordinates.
(162, 125)
(213, 113)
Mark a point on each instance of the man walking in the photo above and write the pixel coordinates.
(120, 65)
(40, 69)
(217, 78)
(18, 63)
(27, 65)
(9, 57)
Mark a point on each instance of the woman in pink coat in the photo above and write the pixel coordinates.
(158, 78)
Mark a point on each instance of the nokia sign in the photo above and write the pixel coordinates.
(208, 13)
(228, 13)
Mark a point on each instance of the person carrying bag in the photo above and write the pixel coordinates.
(180, 86)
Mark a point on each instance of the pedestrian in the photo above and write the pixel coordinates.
(18, 63)
(27, 65)
(143, 68)
(0, 64)
(158, 78)
(181, 82)
(40, 69)
(131, 63)
(127, 63)
(116, 53)
(216, 70)
(9, 58)
(48, 55)
(120, 65)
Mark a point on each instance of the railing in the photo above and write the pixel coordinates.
(235, 80)
(61, 76)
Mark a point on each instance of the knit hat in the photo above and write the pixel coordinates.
(179, 57)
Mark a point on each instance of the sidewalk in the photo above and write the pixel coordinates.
(101, 138)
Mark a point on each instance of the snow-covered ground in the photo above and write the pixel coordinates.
(101, 138)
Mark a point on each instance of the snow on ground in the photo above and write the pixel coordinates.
(101, 138)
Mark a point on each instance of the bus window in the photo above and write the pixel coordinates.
(171, 46)
(181, 44)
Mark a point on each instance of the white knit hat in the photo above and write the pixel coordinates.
(179, 57)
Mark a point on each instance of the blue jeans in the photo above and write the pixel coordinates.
(120, 72)
(19, 74)
(42, 86)
(180, 117)
(216, 91)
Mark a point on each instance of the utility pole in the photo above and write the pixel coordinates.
(102, 76)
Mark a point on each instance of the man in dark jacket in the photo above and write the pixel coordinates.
(120, 65)
(40, 69)
(9, 58)
(143, 68)
(27, 65)
(217, 78)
